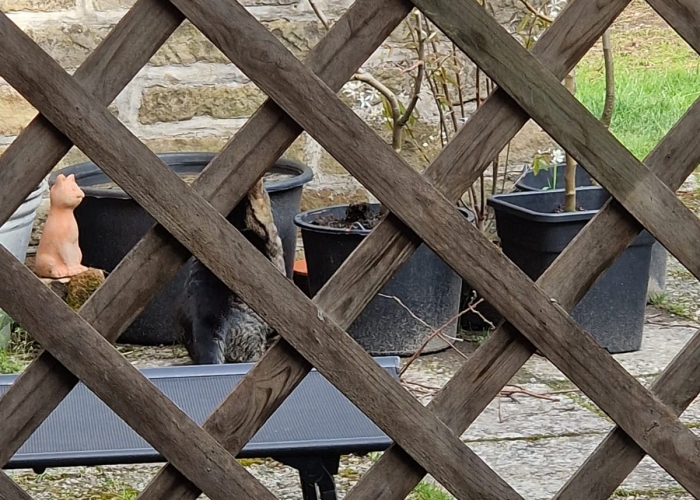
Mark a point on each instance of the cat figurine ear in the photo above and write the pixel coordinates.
(58, 254)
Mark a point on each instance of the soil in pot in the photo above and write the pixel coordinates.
(425, 285)
(111, 223)
(545, 178)
(533, 233)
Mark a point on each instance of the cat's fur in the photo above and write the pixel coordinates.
(211, 321)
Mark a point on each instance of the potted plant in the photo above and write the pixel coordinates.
(536, 179)
(111, 223)
(535, 225)
(425, 294)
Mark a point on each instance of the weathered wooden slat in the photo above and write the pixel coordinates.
(400, 188)
(618, 455)
(391, 244)
(567, 280)
(156, 259)
(119, 384)
(105, 72)
(682, 16)
(562, 116)
(461, 162)
(9, 490)
(187, 216)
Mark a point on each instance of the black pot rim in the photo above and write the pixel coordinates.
(197, 161)
(500, 201)
(301, 220)
(528, 171)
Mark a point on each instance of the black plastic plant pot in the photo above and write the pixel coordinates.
(111, 223)
(483, 313)
(544, 178)
(533, 235)
(424, 284)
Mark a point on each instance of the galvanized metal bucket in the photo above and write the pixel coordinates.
(17, 231)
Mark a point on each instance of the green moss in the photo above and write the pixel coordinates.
(427, 491)
(651, 493)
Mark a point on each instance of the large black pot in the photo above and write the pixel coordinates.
(659, 256)
(111, 223)
(473, 320)
(424, 284)
(533, 235)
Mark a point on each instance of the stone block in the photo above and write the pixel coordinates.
(324, 197)
(188, 45)
(70, 43)
(103, 5)
(36, 5)
(168, 104)
(15, 111)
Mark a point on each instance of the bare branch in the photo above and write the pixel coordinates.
(537, 13)
(418, 82)
(319, 13)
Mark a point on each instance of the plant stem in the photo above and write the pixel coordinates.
(606, 117)
(570, 172)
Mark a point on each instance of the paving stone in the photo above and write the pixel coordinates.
(538, 469)
(659, 346)
(532, 417)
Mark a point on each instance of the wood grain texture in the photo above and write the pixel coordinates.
(105, 72)
(9, 490)
(30, 157)
(400, 188)
(539, 93)
(119, 384)
(464, 158)
(209, 237)
(158, 257)
(494, 364)
(682, 16)
(390, 245)
(618, 455)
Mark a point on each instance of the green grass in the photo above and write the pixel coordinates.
(657, 79)
(9, 363)
(427, 491)
(661, 301)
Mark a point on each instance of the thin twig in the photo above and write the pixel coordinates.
(537, 13)
(319, 13)
(434, 332)
(428, 387)
(418, 81)
(514, 389)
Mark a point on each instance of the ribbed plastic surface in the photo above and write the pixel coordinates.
(316, 417)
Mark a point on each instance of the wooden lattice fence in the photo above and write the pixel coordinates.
(73, 111)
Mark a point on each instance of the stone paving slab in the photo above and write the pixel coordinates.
(531, 417)
(659, 346)
(538, 469)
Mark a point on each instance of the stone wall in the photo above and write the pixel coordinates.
(188, 98)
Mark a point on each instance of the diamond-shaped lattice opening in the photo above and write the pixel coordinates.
(420, 432)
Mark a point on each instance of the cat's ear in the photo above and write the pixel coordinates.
(71, 178)
(60, 178)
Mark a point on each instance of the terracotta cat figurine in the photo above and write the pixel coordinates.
(58, 254)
